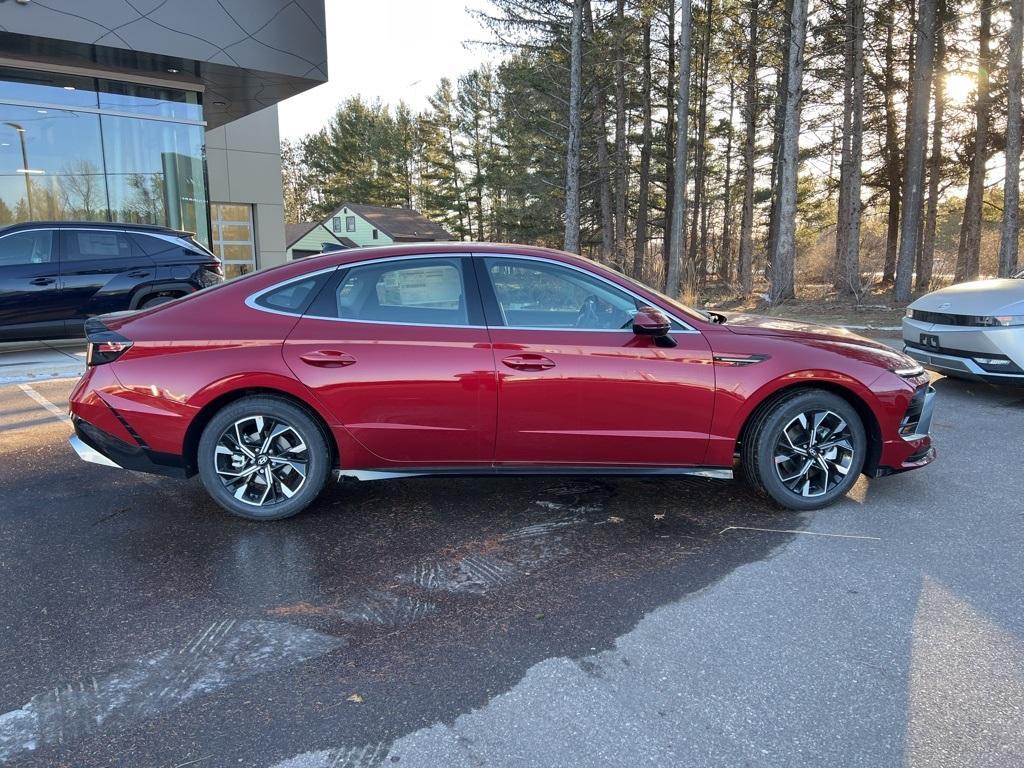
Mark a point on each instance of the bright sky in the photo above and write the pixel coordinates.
(389, 50)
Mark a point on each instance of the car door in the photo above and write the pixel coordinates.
(29, 275)
(397, 350)
(100, 269)
(576, 385)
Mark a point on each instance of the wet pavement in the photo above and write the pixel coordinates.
(491, 622)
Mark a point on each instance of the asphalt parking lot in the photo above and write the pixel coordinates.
(518, 622)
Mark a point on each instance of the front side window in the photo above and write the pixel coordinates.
(537, 294)
(26, 248)
(88, 244)
(414, 291)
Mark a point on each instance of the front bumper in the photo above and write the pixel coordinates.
(957, 350)
(98, 447)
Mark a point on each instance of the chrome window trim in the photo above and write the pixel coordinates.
(250, 301)
(687, 328)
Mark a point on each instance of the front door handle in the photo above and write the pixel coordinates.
(43, 281)
(327, 358)
(528, 362)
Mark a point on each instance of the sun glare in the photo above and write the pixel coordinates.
(959, 87)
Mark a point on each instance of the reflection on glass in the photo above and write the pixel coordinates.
(155, 173)
(150, 100)
(39, 178)
(46, 87)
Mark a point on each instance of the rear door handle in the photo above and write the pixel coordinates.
(43, 281)
(528, 362)
(327, 358)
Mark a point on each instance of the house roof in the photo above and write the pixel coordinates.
(400, 224)
(295, 232)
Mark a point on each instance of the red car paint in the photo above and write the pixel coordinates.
(395, 396)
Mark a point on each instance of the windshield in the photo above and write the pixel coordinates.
(694, 313)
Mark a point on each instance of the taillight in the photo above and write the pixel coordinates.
(216, 267)
(101, 352)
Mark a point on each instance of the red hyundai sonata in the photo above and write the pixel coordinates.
(472, 359)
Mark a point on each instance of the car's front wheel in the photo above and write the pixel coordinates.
(804, 450)
(263, 458)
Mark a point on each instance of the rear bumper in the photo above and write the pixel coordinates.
(95, 446)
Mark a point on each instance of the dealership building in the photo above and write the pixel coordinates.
(155, 111)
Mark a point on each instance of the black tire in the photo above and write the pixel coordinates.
(287, 493)
(833, 469)
(156, 301)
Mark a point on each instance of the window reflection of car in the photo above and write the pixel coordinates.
(540, 363)
(55, 275)
(971, 330)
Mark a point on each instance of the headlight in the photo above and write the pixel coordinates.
(1006, 320)
(908, 371)
(909, 312)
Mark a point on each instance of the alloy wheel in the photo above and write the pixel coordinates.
(814, 453)
(261, 460)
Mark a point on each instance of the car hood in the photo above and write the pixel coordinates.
(980, 297)
(838, 340)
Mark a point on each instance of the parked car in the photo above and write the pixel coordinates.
(972, 330)
(55, 275)
(457, 358)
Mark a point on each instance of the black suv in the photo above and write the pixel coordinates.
(55, 274)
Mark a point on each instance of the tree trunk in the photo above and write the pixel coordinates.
(893, 173)
(780, 101)
(746, 275)
(783, 257)
(698, 244)
(674, 274)
(572, 152)
(1009, 240)
(967, 259)
(847, 277)
(725, 257)
(643, 198)
(621, 157)
(670, 127)
(597, 97)
(926, 256)
(917, 137)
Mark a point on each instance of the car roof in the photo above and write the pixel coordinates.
(153, 228)
(350, 255)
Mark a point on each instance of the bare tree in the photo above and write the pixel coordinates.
(640, 243)
(746, 275)
(917, 137)
(572, 152)
(847, 277)
(597, 97)
(784, 255)
(926, 255)
(1009, 240)
(674, 274)
(967, 258)
(621, 158)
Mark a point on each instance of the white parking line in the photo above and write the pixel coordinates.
(57, 412)
(806, 533)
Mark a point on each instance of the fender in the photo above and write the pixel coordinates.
(733, 405)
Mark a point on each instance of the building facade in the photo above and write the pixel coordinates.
(368, 225)
(155, 112)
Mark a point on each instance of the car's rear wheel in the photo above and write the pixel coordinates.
(805, 449)
(263, 458)
(156, 301)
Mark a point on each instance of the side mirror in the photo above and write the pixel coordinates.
(649, 321)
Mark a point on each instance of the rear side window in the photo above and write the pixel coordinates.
(429, 291)
(292, 298)
(33, 247)
(87, 244)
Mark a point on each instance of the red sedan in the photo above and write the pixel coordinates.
(457, 358)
